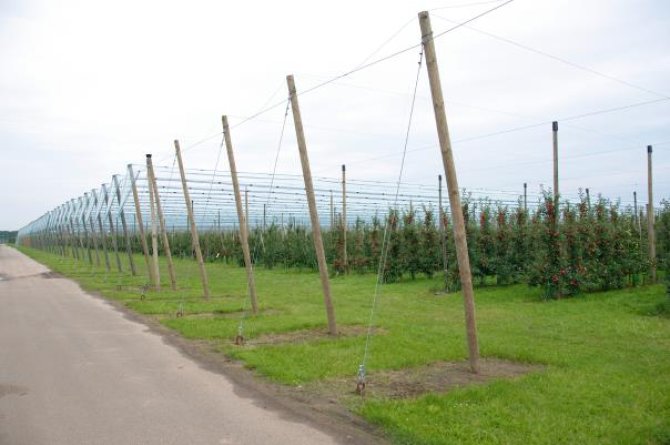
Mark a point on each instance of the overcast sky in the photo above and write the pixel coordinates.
(87, 87)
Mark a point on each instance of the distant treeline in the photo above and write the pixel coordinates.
(7, 237)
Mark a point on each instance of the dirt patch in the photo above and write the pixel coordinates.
(439, 377)
(219, 314)
(153, 296)
(235, 314)
(310, 335)
(132, 288)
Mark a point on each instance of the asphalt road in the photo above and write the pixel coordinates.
(74, 370)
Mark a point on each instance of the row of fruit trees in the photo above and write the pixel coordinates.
(582, 247)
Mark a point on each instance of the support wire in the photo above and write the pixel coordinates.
(360, 388)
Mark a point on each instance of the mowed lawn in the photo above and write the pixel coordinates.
(606, 356)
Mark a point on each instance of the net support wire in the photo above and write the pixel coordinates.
(361, 381)
(239, 338)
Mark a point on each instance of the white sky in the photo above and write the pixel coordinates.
(87, 87)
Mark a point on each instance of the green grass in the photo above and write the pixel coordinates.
(607, 355)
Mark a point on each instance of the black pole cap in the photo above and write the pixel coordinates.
(148, 155)
(554, 125)
(648, 148)
(344, 167)
(439, 178)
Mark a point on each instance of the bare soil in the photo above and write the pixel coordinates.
(439, 377)
(226, 314)
(310, 335)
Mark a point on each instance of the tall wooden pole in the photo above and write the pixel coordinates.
(344, 218)
(244, 235)
(311, 201)
(588, 199)
(452, 189)
(650, 217)
(139, 224)
(636, 216)
(525, 197)
(554, 127)
(124, 225)
(161, 220)
(194, 230)
(154, 235)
